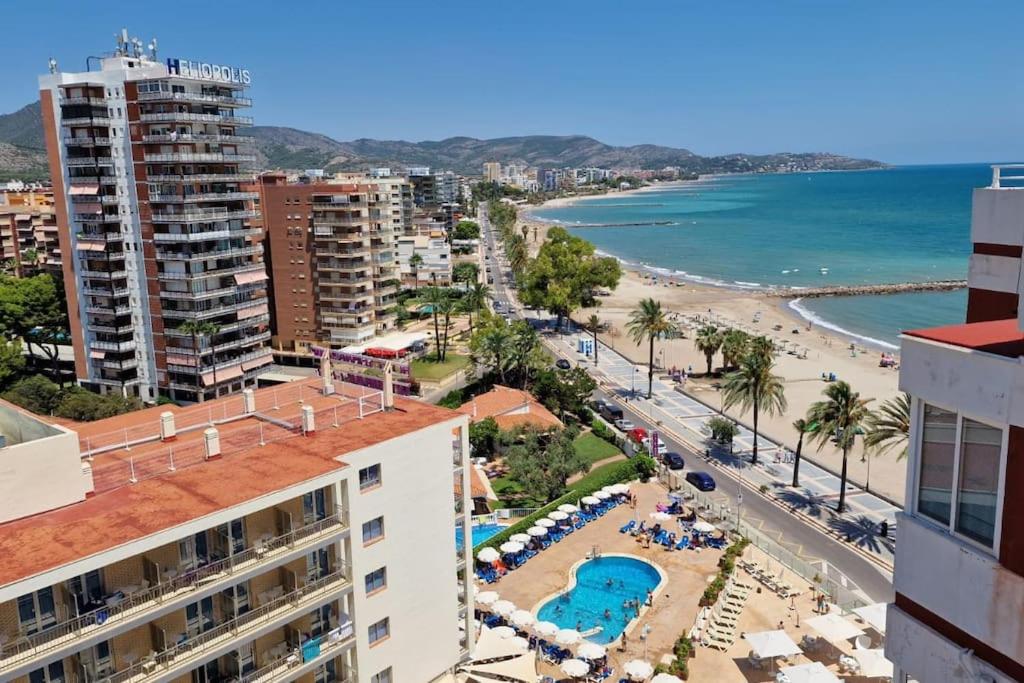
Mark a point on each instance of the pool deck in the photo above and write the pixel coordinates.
(675, 605)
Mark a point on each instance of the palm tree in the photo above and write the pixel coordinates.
(802, 427)
(840, 417)
(491, 346)
(753, 387)
(734, 345)
(889, 426)
(474, 299)
(196, 329)
(415, 261)
(515, 249)
(762, 346)
(708, 341)
(438, 300)
(593, 325)
(523, 350)
(648, 320)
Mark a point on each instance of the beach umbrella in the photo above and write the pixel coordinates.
(873, 615)
(519, 538)
(537, 531)
(666, 678)
(521, 618)
(661, 516)
(511, 547)
(608, 488)
(833, 627)
(503, 608)
(637, 669)
(487, 598)
(619, 489)
(703, 527)
(519, 643)
(588, 650)
(545, 629)
(503, 632)
(568, 508)
(488, 555)
(873, 663)
(545, 522)
(575, 668)
(603, 495)
(558, 516)
(568, 636)
(590, 500)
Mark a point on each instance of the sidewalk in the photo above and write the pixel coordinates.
(685, 418)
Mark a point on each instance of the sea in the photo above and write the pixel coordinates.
(902, 224)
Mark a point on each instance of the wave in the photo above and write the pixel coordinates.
(813, 317)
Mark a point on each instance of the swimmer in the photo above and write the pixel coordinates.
(610, 582)
(607, 614)
(579, 625)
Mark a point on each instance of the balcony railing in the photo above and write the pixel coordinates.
(201, 118)
(202, 197)
(185, 654)
(198, 137)
(66, 634)
(202, 216)
(193, 157)
(280, 669)
(228, 100)
(1007, 176)
(231, 177)
(211, 254)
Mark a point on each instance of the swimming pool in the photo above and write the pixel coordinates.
(604, 583)
(481, 532)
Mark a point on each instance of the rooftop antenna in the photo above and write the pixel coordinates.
(122, 43)
(53, 65)
(136, 48)
(152, 48)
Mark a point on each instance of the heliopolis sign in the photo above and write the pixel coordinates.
(208, 72)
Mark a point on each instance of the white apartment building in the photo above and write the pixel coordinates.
(958, 614)
(435, 266)
(300, 533)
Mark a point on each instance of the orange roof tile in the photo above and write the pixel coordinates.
(1001, 337)
(123, 514)
(510, 408)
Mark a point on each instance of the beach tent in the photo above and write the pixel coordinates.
(815, 672)
(833, 627)
(873, 663)
(873, 615)
(771, 644)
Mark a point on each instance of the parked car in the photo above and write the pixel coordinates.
(662, 448)
(611, 413)
(624, 425)
(701, 480)
(562, 364)
(638, 434)
(673, 461)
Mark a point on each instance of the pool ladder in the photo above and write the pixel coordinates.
(595, 551)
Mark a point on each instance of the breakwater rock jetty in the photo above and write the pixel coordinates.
(861, 290)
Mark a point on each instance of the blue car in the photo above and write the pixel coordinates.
(701, 480)
(673, 461)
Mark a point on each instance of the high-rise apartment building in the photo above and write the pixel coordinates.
(29, 242)
(332, 252)
(281, 544)
(162, 251)
(492, 172)
(958, 614)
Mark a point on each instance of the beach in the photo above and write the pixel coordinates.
(825, 351)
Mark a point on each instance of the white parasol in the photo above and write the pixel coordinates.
(503, 608)
(603, 495)
(568, 508)
(661, 516)
(558, 516)
(575, 668)
(545, 629)
(619, 489)
(488, 555)
(545, 522)
(521, 618)
(511, 547)
(568, 636)
(504, 632)
(537, 531)
(590, 500)
(873, 663)
(487, 598)
(637, 669)
(519, 538)
(588, 650)
(519, 643)
(703, 527)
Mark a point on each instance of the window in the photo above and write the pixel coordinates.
(376, 580)
(373, 530)
(935, 484)
(369, 477)
(958, 474)
(382, 677)
(36, 611)
(380, 630)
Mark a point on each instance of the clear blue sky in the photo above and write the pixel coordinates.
(905, 82)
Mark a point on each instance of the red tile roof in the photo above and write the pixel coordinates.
(1001, 337)
(167, 499)
(510, 408)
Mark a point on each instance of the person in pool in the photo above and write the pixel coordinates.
(610, 582)
(607, 614)
(579, 625)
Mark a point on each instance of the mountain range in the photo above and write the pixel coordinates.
(22, 152)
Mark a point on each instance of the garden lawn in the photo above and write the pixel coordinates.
(428, 369)
(594, 448)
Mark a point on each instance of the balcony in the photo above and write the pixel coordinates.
(86, 121)
(211, 254)
(226, 119)
(203, 197)
(206, 235)
(199, 157)
(86, 141)
(203, 216)
(105, 291)
(99, 101)
(147, 604)
(105, 274)
(231, 177)
(199, 137)
(89, 161)
(113, 346)
(108, 310)
(291, 666)
(217, 272)
(227, 100)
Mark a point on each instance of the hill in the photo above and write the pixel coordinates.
(22, 152)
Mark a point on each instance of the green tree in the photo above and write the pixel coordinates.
(525, 356)
(442, 304)
(734, 345)
(12, 362)
(33, 309)
(708, 341)
(80, 404)
(34, 393)
(466, 230)
(802, 427)
(483, 437)
(840, 417)
(593, 325)
(517, 253)
(565, 274)
(415, 261)
(542, 463)
(198, 329)
(889, 427)
(465, 272)
(754, 387)
(563, 391)
(648, 321)
(489, 347)
(475, 299)
(723, 430)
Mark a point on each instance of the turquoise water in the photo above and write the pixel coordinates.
(481, 533)
(585, 604)
(895, 225)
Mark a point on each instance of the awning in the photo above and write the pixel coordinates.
(88, 208)
(181, 360)
(252, 311)
(258, 362)
(250, 277)
(873, 615)
(229, 373)
(91, 246)
(85, 189)
(97, 354)
(22, 216)
(833, 627)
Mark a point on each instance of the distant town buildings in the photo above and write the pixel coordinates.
(29, 243)
(161, 245)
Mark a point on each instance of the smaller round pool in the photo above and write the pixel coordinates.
(606, 595)
(481, 532)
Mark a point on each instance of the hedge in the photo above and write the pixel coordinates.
(612, 473)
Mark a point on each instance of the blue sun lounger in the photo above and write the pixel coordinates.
(628, 527)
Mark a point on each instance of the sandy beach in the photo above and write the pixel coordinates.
(824, 351)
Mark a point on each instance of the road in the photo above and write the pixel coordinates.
(804, 539)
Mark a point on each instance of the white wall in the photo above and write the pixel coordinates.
(997, 273)
(997, 216)
(418, 549)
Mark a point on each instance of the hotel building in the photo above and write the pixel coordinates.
(958, 614)
(301, 533)
(332, 256)
(28, 232)
(157, 233)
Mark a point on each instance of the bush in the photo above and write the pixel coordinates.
(84, 406)
(36, 394)
(585, 414)
(723, 430)
(645, 467)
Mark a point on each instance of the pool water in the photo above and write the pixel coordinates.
(604, 583)
(481, 532)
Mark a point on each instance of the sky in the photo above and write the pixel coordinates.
(903, 82)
